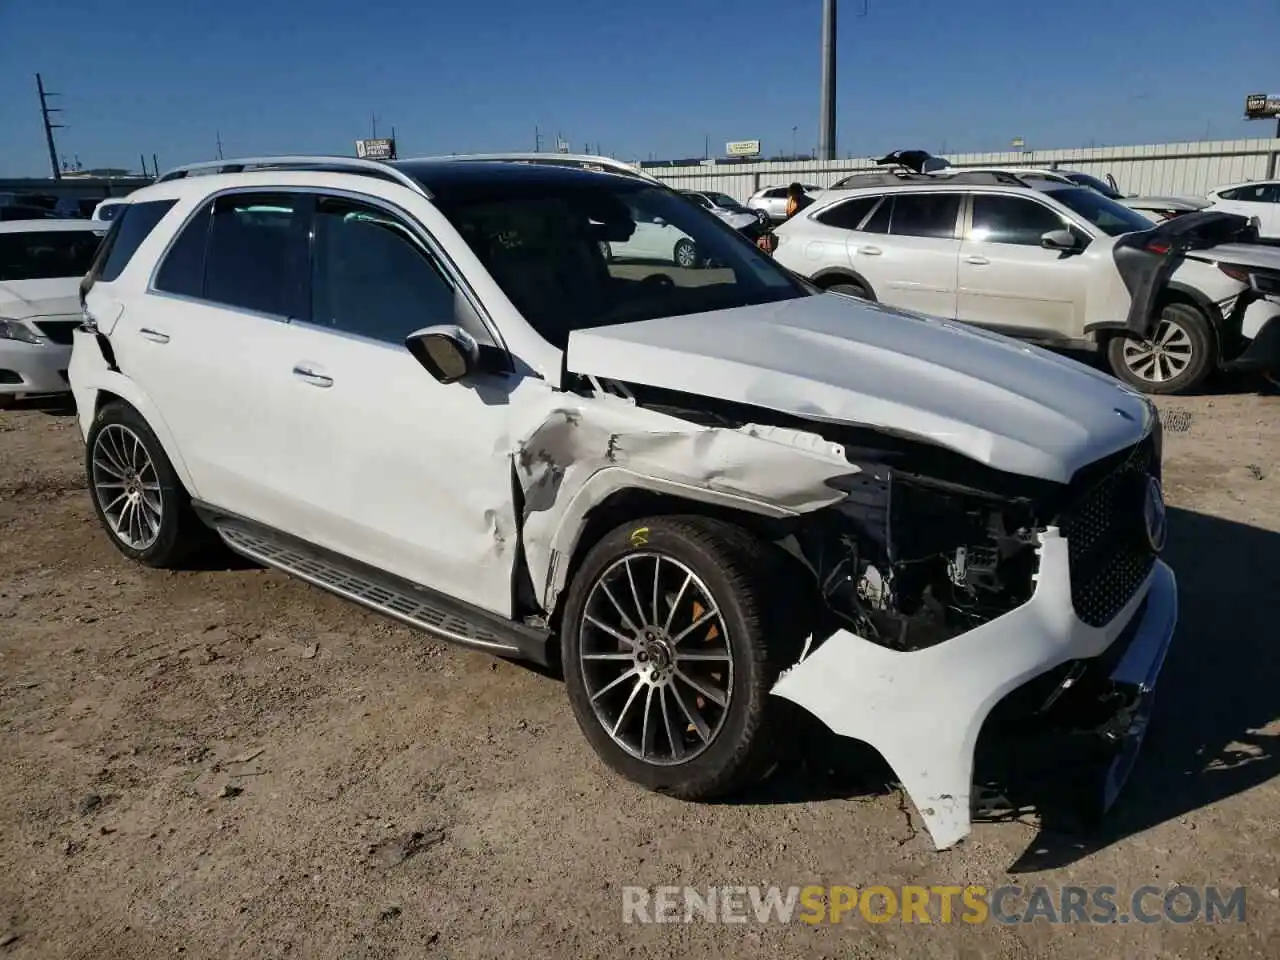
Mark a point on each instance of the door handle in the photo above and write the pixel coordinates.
(870, 251)
(977, 261)
(314, 377)
(155, 336)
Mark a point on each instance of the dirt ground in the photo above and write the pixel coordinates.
(230, 763)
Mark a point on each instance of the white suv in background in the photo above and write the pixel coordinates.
(1259, 199)
(771, 202)
(422, 386)
(41, 265)
(1052, 263)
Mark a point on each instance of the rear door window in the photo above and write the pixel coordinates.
(925, 215)
(255, 253)
(848, 215)
(880, 220)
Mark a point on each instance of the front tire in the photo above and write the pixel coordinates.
(136, 494)
(1178, 355)
(671, 641)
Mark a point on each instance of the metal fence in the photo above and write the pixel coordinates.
(1180, 169)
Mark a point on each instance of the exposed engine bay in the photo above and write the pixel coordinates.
(925, 545)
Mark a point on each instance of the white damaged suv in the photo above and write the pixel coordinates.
(422, 386)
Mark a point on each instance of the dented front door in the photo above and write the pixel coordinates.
(397, 470)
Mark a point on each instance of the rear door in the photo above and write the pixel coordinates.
(908, 248)
(207, 342)
(1008, 281)
(828, 236)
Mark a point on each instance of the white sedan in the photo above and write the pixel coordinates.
(41, 265)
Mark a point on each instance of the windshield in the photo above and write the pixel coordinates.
(1094, 183)
(575, 255)
(47, 254)
(1108, 216)
(724, 201)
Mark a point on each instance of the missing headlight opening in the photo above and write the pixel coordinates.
(908, 559)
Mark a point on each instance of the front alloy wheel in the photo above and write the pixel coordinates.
(674, 631)
(655, 658)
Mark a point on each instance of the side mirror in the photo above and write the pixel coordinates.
(659, 222)
(447, 351)
(1059, 240)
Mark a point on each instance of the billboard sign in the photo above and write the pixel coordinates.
(1261, 106)
(384, 148)
(742, 148)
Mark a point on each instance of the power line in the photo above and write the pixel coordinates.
(49, 125)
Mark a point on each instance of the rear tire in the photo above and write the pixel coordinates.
(628, 680)
(1179, 354)
(136, 494)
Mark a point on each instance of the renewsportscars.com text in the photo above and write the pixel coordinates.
(971, 904)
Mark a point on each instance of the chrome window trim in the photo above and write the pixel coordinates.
(442, 261)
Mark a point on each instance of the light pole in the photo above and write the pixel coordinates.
(793, 142)
(827, 125)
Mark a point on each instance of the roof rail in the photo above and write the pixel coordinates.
(327, 164)
(877, 178)
(583, 160)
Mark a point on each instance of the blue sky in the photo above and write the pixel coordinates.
(638, 78)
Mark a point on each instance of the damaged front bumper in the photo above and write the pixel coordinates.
(923, 710)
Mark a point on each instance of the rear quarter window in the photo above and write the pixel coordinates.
(132, 226)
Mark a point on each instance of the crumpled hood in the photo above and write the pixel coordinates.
(24, 299)
(829, 357)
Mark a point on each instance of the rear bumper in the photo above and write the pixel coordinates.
(924, 710)
(33, 367)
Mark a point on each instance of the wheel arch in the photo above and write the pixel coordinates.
(111, 387)
(831, 276)
(612, 497)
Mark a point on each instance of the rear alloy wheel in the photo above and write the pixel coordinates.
(670, 647)
(686, 254)
(762, 217)
(136, 493)
(1176, 357)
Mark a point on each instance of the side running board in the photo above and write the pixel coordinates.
(385, 593)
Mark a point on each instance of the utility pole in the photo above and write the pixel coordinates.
(143, 159)
(49, 125)
(827, 120)
(155, 166)
(218, 134)
(373, 122)
(537, 140)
